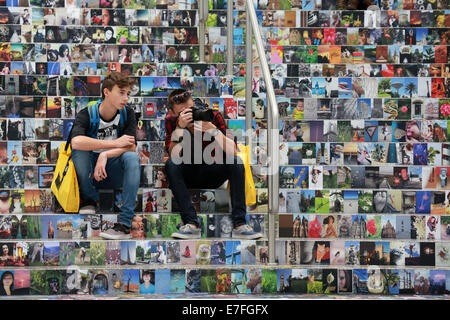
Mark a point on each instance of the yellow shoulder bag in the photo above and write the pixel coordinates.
(65, 182)
(250, 190)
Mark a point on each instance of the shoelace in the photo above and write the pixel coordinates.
(185, 228)
(245, 228)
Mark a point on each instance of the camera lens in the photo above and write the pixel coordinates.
(202, 115)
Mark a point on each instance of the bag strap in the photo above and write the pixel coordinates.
(69, 138)
(123, 120)
(94, 118)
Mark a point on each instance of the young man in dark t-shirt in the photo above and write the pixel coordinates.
(105, 155)
(208, 174)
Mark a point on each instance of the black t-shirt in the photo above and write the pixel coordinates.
(107, 130)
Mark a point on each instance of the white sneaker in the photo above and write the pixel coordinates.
(89, 209)
(188, 232)
(246, 232)
(119, 232)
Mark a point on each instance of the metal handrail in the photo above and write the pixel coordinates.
(273, 138)
(230, 40)
(202, 18)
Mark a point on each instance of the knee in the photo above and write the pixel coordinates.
(130, 160)
(237, 166)
(170, 166)
(82, 162)
(80, 156)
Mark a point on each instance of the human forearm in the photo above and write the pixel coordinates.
(171, 146)
(226, 144)
(88, 144)
(116, 152)
(85, 143)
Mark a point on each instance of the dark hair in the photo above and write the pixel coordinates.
(109, 28)
(116, 78)
(6, 273)
(62, 48)
(348, 281)
(150, 273)
(327, 220)
(9, 248)
(3, 277)
(174, 93)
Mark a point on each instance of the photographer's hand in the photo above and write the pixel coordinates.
(185, 118)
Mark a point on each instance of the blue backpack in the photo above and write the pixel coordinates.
(94, 119)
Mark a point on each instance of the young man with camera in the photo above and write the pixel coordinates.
(104, 152)
(209, 172)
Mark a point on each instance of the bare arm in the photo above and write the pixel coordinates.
(226, 144)
(100, 167)
(88, 144)
(171, 146)
(115, 152)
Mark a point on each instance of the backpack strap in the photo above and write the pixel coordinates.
(94, 119)
(123, 120)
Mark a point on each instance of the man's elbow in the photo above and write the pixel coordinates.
(75, 143)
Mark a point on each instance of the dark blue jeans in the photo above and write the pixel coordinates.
(122, 171)
(182, 177)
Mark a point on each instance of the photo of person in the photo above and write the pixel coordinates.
(161, 179)
(106, 17)
(124, 55)
(7, 283)
(147, 281)
(345, 281)
(6, 254)
(329, 227)
(109, 35)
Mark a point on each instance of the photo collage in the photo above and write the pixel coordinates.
(364, 105)
(201, 282)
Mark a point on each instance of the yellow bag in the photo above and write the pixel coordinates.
(250, 190)
(65, 182)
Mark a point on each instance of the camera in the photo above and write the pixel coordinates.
(201, 111)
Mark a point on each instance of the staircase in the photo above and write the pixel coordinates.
(362, 98)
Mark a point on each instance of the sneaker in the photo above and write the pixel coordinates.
(89, 207)
(118, 232)
(199, 223)
(187, 232)
(246, 232)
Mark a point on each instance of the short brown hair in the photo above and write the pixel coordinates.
(116, 78)
(174, 93)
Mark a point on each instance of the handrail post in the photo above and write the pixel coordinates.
(248, 79)
(230, 38)
(273, 131)
(201, 28)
